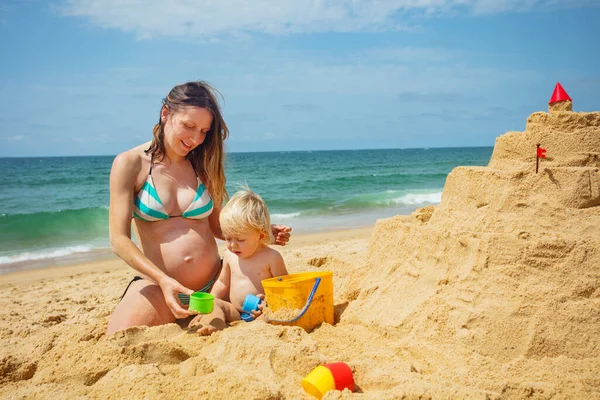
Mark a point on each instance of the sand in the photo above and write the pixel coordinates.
(492, 294)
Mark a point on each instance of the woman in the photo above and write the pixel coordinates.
(173, 187)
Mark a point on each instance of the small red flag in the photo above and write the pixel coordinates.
(559, 94)
(541, 153)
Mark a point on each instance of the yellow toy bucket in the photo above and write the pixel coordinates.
(310, 293)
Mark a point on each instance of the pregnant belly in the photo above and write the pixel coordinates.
(185, 251)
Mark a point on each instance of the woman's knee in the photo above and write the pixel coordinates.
(142, 305)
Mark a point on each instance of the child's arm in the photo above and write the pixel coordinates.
(221, 287)
(277, 265)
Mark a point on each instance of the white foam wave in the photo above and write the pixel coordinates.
(43, 254)
(275, 217)
(417, 199)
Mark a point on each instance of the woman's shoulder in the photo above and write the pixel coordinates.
(132, 161)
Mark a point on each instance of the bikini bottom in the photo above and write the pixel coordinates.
(184, 298)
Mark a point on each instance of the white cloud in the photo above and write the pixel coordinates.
(213, 18)
(16, 138)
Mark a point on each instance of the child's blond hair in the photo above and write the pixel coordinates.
(244, 210)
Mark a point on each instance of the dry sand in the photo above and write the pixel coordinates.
(493, 294)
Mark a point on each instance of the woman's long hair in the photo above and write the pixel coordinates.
(208, 158)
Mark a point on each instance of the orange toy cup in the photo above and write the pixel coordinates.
(326, 377)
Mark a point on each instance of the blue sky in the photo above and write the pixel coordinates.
(86, 77)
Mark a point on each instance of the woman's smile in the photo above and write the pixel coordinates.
(187, 146)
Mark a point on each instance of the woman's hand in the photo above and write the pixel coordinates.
(281, 233)
(170, 288)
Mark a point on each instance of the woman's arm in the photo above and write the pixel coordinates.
(222, 286)
(125, 169)
(215, 224)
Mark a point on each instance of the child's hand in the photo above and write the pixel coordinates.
(195, 321)
(261, 306)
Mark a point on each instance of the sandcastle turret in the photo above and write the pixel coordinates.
(560, 100)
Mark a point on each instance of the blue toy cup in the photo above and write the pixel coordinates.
(251, 303)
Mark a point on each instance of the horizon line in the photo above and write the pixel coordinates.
(270, 151)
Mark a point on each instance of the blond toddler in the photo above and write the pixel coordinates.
(245, 223)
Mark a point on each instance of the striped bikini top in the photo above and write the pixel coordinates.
(148, 207)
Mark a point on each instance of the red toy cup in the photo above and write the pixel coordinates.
(326, 377)
(342, 375)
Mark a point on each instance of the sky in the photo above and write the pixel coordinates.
(86, 77)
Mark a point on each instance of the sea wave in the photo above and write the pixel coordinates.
(45, 254)
(382, 178)
(413, 199)
(389, 198)
(285, 216)
(52, 229)
(357, 204)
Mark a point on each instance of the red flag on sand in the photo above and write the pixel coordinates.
(559, 94)
(541, 152)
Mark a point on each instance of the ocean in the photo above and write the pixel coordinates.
(54, 210)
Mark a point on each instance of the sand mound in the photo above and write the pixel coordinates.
(493, 294)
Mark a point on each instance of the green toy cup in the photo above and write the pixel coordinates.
(202, 302)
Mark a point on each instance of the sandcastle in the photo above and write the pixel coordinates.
(506, 269)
